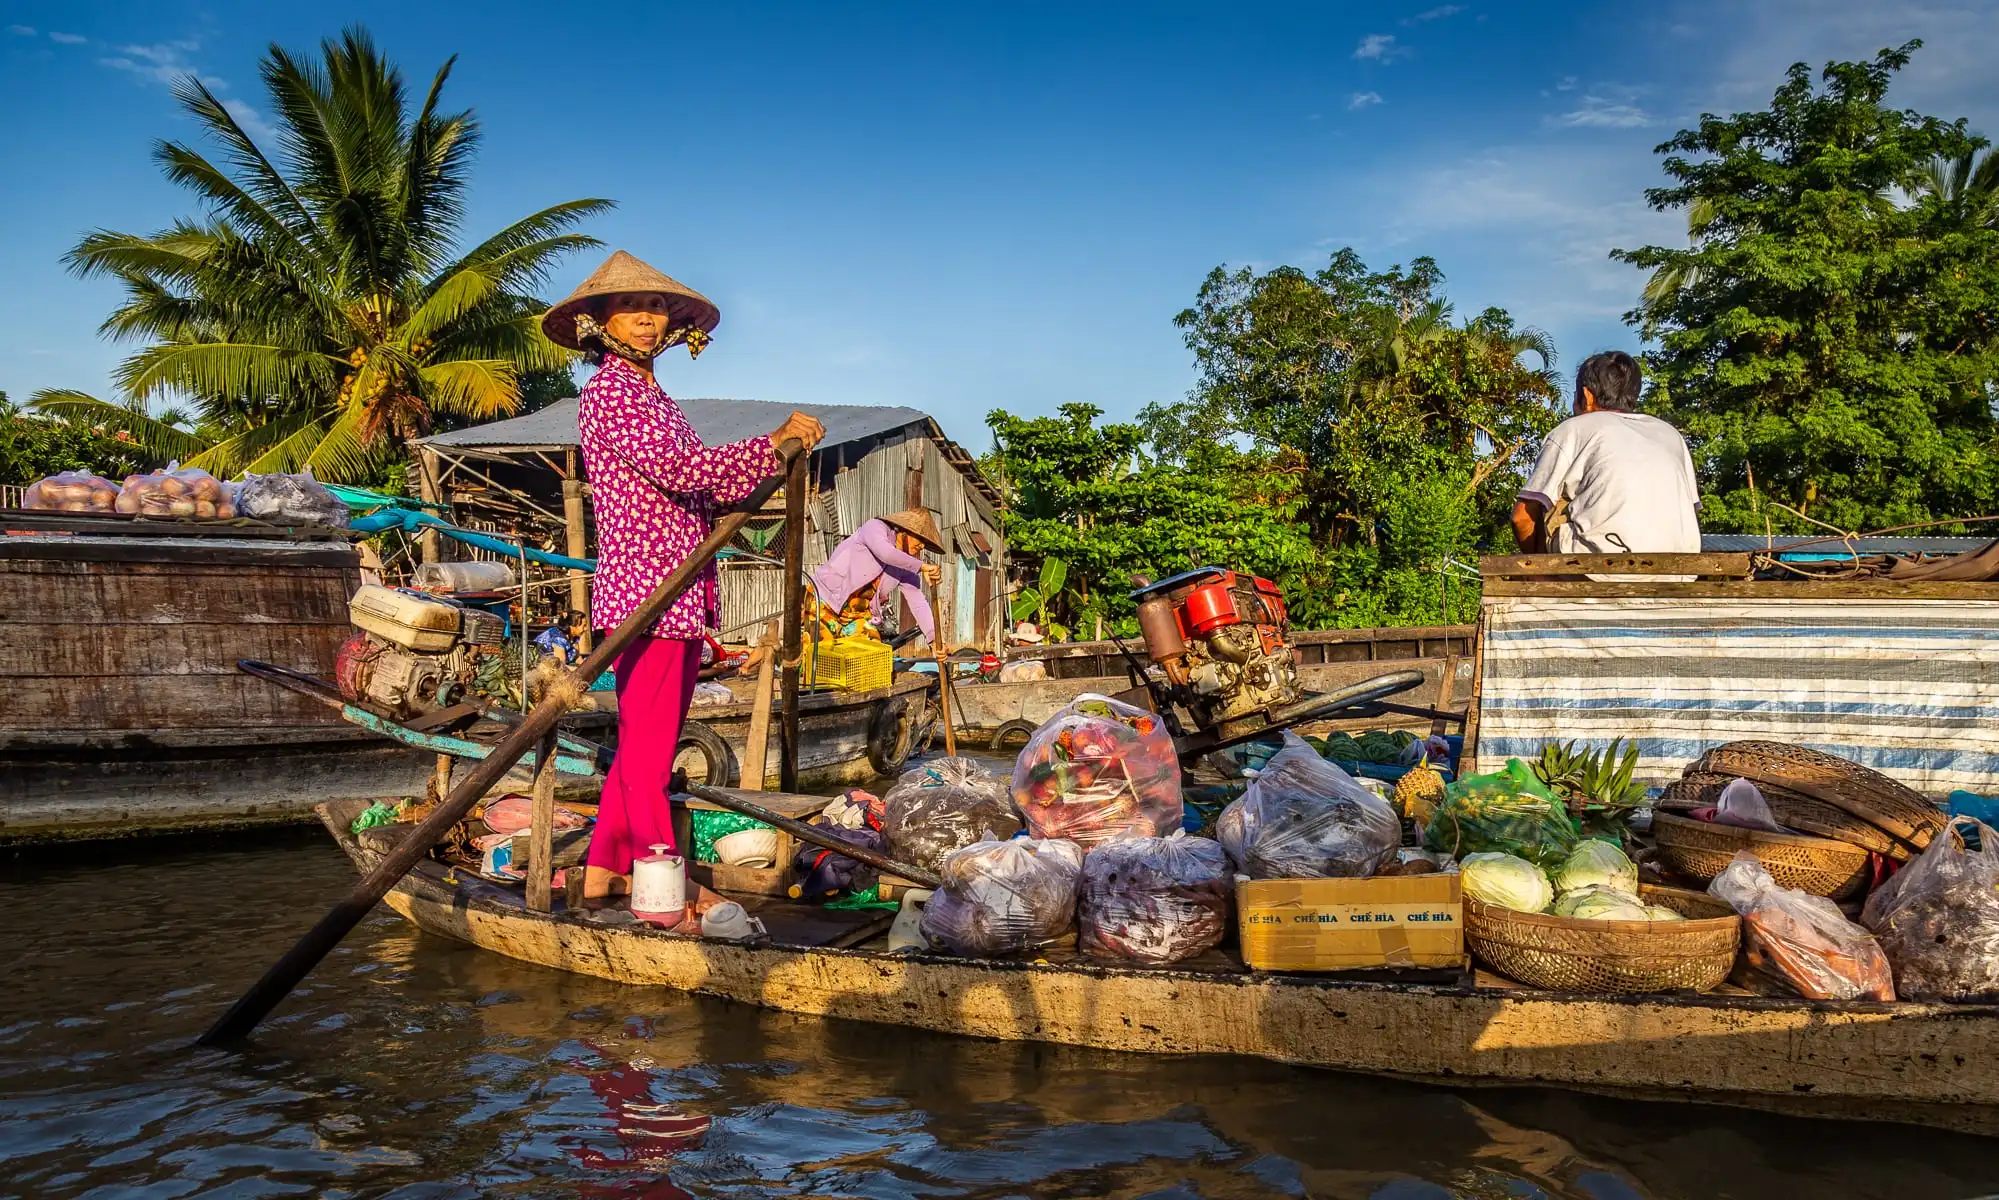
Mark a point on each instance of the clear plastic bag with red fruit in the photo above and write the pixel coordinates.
(1097, 770)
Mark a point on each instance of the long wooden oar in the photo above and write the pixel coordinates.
(943, 676)
(810, 833)
(297, 962)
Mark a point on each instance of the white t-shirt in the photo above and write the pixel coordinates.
(1630, 484)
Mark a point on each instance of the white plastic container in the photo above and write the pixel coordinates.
(904, 933)
(659, 887)
(408, 621)
(465, 576)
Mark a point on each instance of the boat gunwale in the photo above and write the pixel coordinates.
(460, 896)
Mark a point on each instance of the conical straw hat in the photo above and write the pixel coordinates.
(623, 273)
(917, 522)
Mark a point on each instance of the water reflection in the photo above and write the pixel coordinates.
(412, 1067)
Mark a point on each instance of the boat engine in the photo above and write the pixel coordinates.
(1223, 640)
(414, 653)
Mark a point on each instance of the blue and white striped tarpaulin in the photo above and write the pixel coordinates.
(1908, 687)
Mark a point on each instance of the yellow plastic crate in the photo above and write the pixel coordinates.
(850, 664)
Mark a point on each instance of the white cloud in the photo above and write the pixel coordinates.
(1598, 112)
(1567, 84)
(251, 120)
(22, 30)
(67, 39)
(1363, 100)
(1435, 14)
(1379, 46)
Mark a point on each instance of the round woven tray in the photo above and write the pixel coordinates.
(1848, 786)
(1701, 849)
(1700, 789)
(1565, 954)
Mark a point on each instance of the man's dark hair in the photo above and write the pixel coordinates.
(1613, 378)
(572, 618)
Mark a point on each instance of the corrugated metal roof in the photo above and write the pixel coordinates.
(717, 421)
(1749, 543)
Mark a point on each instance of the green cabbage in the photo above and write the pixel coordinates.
(1505, 881)
(1598, 903)
(1659, 912)
(1595, 863)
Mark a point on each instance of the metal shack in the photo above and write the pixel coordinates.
(522, 475)
(1684, 652)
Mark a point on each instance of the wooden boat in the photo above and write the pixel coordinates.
(1919, 1063)
(121, 709)
(1329, 659)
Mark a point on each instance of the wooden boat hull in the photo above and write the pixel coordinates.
(122, 711)
(985, 707)
(1922, 1063)
(834, 730)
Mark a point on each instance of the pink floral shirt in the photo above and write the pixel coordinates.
(627, 424)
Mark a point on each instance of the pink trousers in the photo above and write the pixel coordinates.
(656, 679)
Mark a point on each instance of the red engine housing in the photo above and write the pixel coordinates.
(1213, 603)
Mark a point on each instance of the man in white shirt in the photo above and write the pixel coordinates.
(1610, 480)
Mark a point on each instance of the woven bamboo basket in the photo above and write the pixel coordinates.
(1566, 954)
(1699, 789)
(1701, 849)
(1873, 797)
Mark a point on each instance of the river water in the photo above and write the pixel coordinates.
(409, 1066)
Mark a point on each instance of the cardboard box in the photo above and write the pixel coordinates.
(1347, 924)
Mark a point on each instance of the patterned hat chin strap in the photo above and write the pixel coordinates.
(588, 330)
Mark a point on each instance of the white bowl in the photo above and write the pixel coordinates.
(748, 848)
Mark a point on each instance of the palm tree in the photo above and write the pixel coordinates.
(1969, 179)
(319, 311)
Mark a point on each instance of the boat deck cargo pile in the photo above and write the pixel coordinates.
(1775, 925)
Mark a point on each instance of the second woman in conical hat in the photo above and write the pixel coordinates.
(653, 487)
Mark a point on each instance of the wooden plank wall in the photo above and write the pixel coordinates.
(150, 648)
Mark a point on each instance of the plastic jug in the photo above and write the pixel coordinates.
(659, 887)
(904, 933)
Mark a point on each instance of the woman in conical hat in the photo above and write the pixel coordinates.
(653, 486)
(884, 556)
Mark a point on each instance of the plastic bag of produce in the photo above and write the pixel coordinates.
(1595, 862)
(944, 805)
(1509, 811)
(1303, 817)
(1505, 880)
(1157, 900)
(1799, 942)
(1004, 898)
(177, 491)
(1938, 918)
(1097, 770)
(291, 500)
(72, 491)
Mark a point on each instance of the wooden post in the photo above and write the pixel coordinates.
(1445, 685)
(943, 678)
(541, 827)
(579, 540)
(440, 777)
(756, 752)
(794, 611)
(429, 491)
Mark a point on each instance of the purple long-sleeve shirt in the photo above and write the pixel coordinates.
(868, 555)
(628, 424)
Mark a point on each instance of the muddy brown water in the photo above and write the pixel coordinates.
(410, 1066)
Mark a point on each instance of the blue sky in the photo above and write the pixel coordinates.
(963, 207)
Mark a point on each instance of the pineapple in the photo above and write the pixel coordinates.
(1417, 794)
(1591, 779)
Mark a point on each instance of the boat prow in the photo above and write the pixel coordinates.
(1927, 1064)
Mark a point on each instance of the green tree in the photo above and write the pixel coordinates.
(1830, 342)
(1408, 432)
(1086, 494)
(33, 446)
(321, 309)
